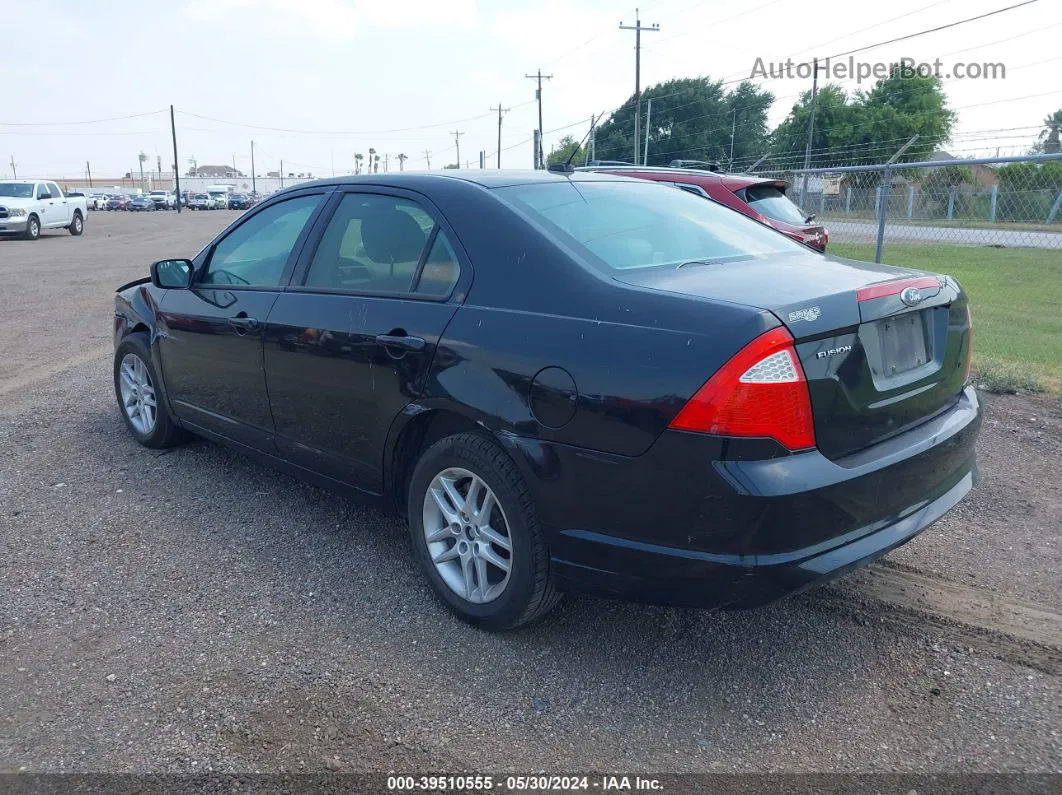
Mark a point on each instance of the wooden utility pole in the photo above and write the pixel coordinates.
(638, 28)
(539, 160)
(502, 110)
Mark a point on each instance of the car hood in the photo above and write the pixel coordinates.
(11, 201)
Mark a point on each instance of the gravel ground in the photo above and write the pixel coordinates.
(194, 611)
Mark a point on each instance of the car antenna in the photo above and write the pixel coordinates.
(566, 166)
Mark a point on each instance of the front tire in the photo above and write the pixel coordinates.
(139, 399)
(33, 228)
(77, 226)
(476, 536)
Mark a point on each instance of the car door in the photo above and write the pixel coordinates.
(349, 344)
(60, 205)
(210, 336)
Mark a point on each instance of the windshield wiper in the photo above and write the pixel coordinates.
(694, 262)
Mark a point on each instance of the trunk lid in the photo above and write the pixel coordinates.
(878, 360)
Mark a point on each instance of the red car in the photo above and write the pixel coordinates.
(757, 197)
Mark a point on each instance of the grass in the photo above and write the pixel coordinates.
(956, 223)
(1015, 301)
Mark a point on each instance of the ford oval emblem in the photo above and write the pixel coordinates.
(911, 296)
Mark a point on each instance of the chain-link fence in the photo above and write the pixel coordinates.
(1006, 202)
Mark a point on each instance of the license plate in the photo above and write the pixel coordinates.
(903, 343)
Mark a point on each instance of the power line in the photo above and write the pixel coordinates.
(69, 123)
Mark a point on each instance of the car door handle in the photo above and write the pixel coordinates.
(241, 321)
(401, 341)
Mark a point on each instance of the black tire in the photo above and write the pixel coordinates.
(33, 228)
(530, 593)
(166, 432)
(77, 226)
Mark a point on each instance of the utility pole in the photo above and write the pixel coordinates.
(176, 170)
(539, 160)
(811, 128)
(427, 156)
(593, 139)
(14, 173)
(648, 118)
(733, 132)
(638, 28)
(457, 141)
(234, 165)
(254, 188)
(141, 157)
(158, 162)
(501, 110)
(387, 159)
(282, 173)
(88, 172)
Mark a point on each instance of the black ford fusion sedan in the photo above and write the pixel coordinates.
(566, 382)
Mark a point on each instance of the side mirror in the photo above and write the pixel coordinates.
(172, 274)
(44, 196)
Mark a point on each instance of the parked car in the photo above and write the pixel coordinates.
(27, 207)
(220, 201)
(201, 201)
(639, 393)
(97, 201)
(142, 203)
(757, 197)
(239, 201)
(118, 202)
(164, 199)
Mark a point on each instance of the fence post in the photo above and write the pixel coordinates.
(992, 206)
(877, 200)
(910, 202)
(848, 200)
(1054, 209)
(883, 209)
(951, 204)
(822, 202)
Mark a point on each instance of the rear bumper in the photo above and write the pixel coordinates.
(706, 522)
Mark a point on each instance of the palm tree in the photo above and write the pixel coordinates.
(1049, 135)
(357, 162)
(375, 163)
(371, 153)
(401, 161)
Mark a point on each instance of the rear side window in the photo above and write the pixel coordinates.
(376, 243)
(54, 190)
(770, 200)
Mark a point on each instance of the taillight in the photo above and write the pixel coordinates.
(761, 391)
(969, 347)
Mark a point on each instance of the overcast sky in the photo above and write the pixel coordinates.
(344, 75)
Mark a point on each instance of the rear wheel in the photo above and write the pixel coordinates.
(77, 226)
(33, 228)
(476, 536)
(135, 386)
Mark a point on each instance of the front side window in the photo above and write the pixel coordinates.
(42, 191)
(256, 252)
(372, 244)
(625, 225)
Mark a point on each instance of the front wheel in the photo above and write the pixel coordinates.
(136, 387)
(33, 228)
(476, 535)
(77, 226)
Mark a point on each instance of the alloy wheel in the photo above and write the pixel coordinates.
(138, 394)
(467, 535)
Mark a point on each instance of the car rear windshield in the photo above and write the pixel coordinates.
(16, 190)
(770, 200)
(629, 225)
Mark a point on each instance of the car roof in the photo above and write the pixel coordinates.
(488, 178)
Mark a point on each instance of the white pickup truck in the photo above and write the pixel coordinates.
(27, 207)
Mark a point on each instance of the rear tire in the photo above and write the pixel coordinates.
(33, 228)
(471, 497)
(140, 401)
(77, 226)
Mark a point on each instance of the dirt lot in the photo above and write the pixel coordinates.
(193, 611)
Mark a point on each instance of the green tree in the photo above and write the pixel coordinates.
(566, 147)
(692, 119)
(867, 127)
(1049, 135)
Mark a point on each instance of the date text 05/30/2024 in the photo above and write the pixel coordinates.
(537, 783)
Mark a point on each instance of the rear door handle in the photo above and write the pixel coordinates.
(401, 342)
(241, 321)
